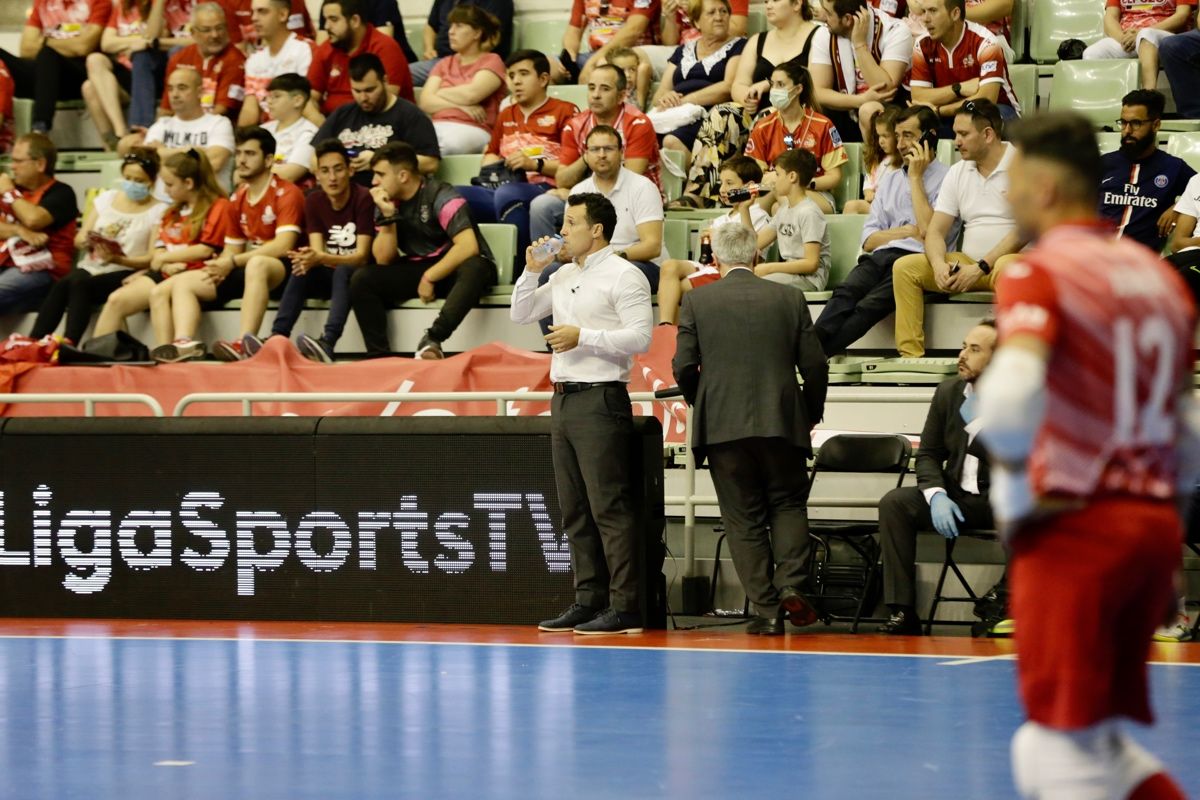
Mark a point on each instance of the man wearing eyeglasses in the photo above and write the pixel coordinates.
(1141, 182)
(222, 66)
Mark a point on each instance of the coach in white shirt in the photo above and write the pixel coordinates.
(188, 127)
(602, 318)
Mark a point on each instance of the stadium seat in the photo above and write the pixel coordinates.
(22, 116)
(851, 186)
(675, 235)
(947, 153)
(414, 31)
(1093, 88)
(672, 184)
(1020, 28)
(1108, 141)
(458, 170)
(845, 242)
(1187, 147)
(1054, 21)
(541, 34)
(1024, 79)
(572, 93)
(110, 173)
(501, 239)
(756, 22)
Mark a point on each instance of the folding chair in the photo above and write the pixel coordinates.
(950, 565)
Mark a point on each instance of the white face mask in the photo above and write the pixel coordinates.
(780, 97)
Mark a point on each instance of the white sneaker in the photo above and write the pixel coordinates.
(1178, 631)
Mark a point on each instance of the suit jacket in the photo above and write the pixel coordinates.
(944, 445)
(740, 342)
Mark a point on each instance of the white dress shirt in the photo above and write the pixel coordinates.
(970, 474)
(607, 298)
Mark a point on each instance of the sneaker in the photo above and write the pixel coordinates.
(612, 621)
(566, 621)
(429, 349)
(1178, 631)
(314, 349)
(251, 344)
(179, 350)
(228, 351)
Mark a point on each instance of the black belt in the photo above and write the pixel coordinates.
(569, 387)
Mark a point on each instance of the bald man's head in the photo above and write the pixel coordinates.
(183, 91)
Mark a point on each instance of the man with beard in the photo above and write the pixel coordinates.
(1141, 182)
(951, 485)
(351, 35)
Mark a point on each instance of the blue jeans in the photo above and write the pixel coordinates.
(23, 291)
(1180, 57)
(545, 216)
(146, 86)
(421, 69)
(323, 282)
(648, 268)
(510, 203)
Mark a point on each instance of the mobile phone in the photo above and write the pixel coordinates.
(929, 138)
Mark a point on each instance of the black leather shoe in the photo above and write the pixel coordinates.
(994, 603)
(799, 611)
(902, 622)
(762, 626)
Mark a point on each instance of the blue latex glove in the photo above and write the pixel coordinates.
(944, 510)
(967, 409)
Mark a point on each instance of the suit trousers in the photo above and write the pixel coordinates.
(590, 435)
(762, 488)
(864, 298)
(903, 513)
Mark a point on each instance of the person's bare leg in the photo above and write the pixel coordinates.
(262, 275)
(822, 202)
(857, 207)
(129, 299)
(1148, 61)
(108, 96)
(160, 312)
(191, 288)
(670, 293)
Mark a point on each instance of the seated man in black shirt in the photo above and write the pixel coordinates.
(444, 253)
(377, 117)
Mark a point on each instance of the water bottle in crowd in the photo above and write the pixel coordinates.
(550, 247)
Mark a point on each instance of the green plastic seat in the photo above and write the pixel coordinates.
(458, 170)
(414, 31)
(696, 213)
(851, 186)
(541, 34)
(1020, 29)
(570, 92)
(22, 116)
(845, 242)
(1093, 88)
(909, 371)
(1052, 22)
(1187, 147)
(502, 241)
(1024, 78)
(1108, 141)
(675, 234)
(756, 22)
(672, 184)
(946, 152)
(973, 297)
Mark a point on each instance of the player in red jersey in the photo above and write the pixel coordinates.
(1086, 412)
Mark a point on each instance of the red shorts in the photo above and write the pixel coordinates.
(1089, 588)
(704, 276)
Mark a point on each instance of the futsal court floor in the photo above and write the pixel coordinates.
(215, 710)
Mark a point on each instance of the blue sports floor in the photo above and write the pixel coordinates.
(89, 715)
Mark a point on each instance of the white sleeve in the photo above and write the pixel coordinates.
(222, 134)
(530, 302)
(1189, 201)
(948, 201)
(303, 152)
(897, 44)
(647, 203)
(632, 301)
(157, 131)
(820, 53)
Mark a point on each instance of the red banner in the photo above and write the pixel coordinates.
(278, 367)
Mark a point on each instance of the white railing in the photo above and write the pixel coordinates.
(89, 401)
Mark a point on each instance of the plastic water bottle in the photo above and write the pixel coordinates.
(548, 248)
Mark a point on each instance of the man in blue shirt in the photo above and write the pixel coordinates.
(896, 226)
(1141, 182)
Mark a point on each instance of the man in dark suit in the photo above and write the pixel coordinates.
(952, 483)
(753, 421)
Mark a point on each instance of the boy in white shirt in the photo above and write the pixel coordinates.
(287, 95)
(679, 276)
(798, 226)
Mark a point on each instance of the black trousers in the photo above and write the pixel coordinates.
(77, 293)
(590, 434)
(860, 301)
(47, 78)
(902, 513)
(374, 288)
(762, 487)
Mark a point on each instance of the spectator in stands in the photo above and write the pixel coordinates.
(603, 26)
(996, 16)
(606, 106)
(1180, 56)
(266, 223)
(895, 227)
(165, 29)
(879, 157)
(464, 90)
(386, 17)
(109, 71)
(282, 51)
(193, 230)
(679, 276)
(246, 34)
(699, 75)
(952, 483)
(351, 35)
(859, 62)
(436, 36)
(37, 219)
(678, 26)
(975, 193)
(1135, 30)
(287, 96)
(114, 242)
(527, 138)
(1185, 238)
(444, 255)
(188, 127)
(958, 61)
(377, 117)
(638, 74)
(795, 123)
(340, 223)
(6, 109)
(1141, 182)
(723, 133)
(57, 38)
(222, 66)
(798, 227)
(590, 416)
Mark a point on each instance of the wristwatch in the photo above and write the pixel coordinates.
(957, 89)
(984, 267)
(541, 164)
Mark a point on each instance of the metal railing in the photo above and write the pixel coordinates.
(89, 400)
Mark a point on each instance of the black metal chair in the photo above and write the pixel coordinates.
(949, 565)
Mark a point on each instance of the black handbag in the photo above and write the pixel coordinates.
(493, 176)
(1071, 50)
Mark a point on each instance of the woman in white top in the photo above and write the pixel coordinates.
(115, 241)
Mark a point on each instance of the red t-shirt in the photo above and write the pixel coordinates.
(330, 70)
(221, 77)
(978, 54)
(1118, 323)
(299, 21)
(601, 19)
(689, 32)
(280, 209)
(816, 133)
(1144, 14)
(65, 19)
(453, 72)
(636, 130)
(175, 232)
(540, 133)
(126, 23)
(7, 87)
